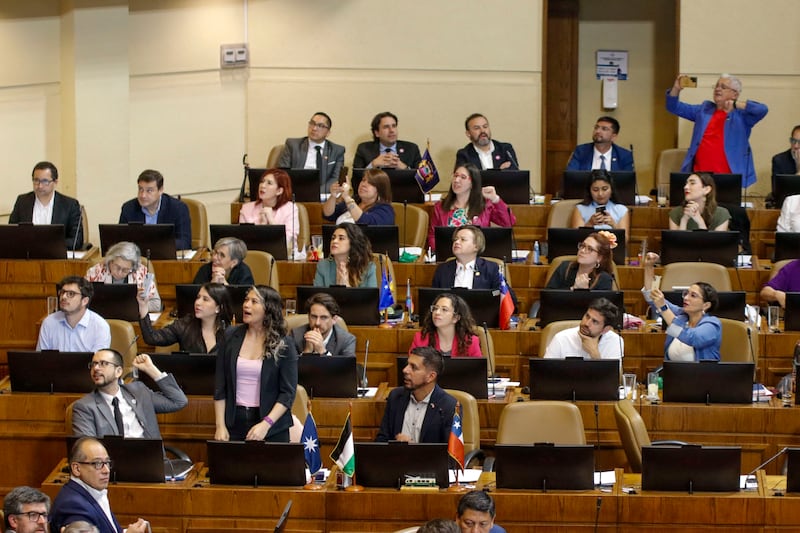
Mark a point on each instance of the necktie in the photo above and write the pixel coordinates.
(118, 417)
(603, 162)
(319, 156)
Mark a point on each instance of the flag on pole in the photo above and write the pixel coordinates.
(387, 298)
(409, 301)
(310, 441)
(344, 453)
(427, 176)
(506, 302)
(455, 444)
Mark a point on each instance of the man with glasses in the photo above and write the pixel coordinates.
(594, 338)
(420, 410)
(26, 510)
(45, 205)
(84, 497)
(315, 151)
(602, 153)
(788, 162)
(322, 335)
(475, 513)
(482, 151)
(127, 410)
(74, 327)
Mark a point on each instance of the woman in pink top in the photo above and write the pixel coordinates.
(468, 203)
(448, 328)
(274, 205)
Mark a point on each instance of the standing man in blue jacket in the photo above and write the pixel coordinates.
(602, 153)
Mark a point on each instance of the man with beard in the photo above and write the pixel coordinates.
(595, 338)
(602, 153)
(482, 151)
(420, 410)
(25, 510)
(126, 410)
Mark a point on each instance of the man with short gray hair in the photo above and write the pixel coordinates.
(26, 510)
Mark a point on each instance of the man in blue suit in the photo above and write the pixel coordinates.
(153, 206)
(420, 410)
(602, 152)
(85, 497)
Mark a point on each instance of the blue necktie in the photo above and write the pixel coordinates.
(603, 162)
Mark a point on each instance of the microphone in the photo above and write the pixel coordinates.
(489, 359)
(621, 325)
(405, 222)
(765, 463)
(635, 181)
(364, 382)
(271, 266)
(597, 513)
(753, 357)
(78, 231)
(134, 370)
(294, 232)
(513, 238)
(597, 423)
(242, 193)
(511, 158)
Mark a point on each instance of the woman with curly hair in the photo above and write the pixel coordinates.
(350, 261)
(256, 376)
(448, 328)
(591, 269)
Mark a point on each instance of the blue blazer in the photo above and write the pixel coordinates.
(438, 419)
(66, 211)
(408, 153)
(705, 338)
(172, 211)
(502, 152)
(581, 159)
(74, 503)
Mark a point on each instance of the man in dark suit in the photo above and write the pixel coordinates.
(153, 206)
(25, 510)
(602, 152)
(125, 410)
(483, 151)
(385, 151)
(420, 411)
(45, 205)
(84, 497)
(322, 335)
(788, 162)
(315, 151)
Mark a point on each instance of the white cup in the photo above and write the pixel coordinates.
(773, 318)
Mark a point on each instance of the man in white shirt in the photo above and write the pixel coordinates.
(315, 151)
(74, 327)
(789, 219)
(595, 338)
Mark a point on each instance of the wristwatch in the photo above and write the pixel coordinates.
(663, 308)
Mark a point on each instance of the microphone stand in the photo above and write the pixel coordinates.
(242, 194)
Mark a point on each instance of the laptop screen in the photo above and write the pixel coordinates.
(386, 464)
(50, 371)
(466, 374)
(574, 378)
(691, 468)
(156, 241)
(708, 382)
(544, 467)
(256, 463)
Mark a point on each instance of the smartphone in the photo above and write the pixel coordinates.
(689, 81)
(601, 209)
(343, 176)
(147, 283)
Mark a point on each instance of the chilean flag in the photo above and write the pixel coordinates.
(506, 302)
(455, 444)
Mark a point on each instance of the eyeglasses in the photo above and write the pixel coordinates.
(586, 247)
(318, 125)
(101, 364)
(98, 465)
(436, 308)
(693, 294)
(792, 140)
(33, 516)
(120, 269)
(68, 294)
(41, 182)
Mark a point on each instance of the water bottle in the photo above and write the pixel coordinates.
(795, 363)
(536, 253)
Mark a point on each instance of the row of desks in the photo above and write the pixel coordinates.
(194, 506)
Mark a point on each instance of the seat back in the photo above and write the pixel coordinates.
(412, 224)
(550, 331)
(541, 421)
(265, 271)
(561, 212)
(669, 161)
(487, 347)
(199, 218)
(304, 232)
(683, 274)
(274, 155)
(68, 418)
(554, 264)
(632, 432)
(300, 404)
(123, 340)
(470, 420)
(738, 346)
(776, 267)
(84, 227)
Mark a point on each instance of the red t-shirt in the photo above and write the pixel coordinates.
(710, 156)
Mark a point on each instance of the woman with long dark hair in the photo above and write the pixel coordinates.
(350, 261)
(699, 209)
(448, 328)
(592, 267)
(599, 207)
(374, 206)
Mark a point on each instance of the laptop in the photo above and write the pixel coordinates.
(50, 371)
(404, 185)
(135, 460)
(466, 374)
(784, 185)
(719, 247)
(383, 239)
(328, 377)
(186, 294)
(269, 238)
(544, 467)
(513, 186)
(193, 372)
(28, 241)
(499, 243)
(727, 190)
(691, 468)
(708, 382)
(306, 186)
(564, 241)
(386, 464)
(574, 185)
(358, 305)
(155, 241)
(559, 304)
(115, 301)
(787, 245)
(483, 303)
(791, 314)
(574, 378)
(256, 463)
(731, 304)
(793, 470)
